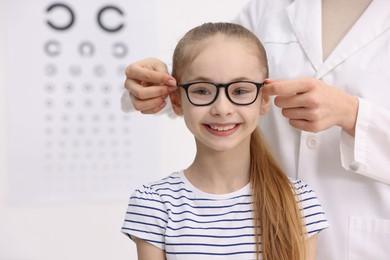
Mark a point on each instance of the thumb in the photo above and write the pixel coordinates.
(168, 80)
(267, 90)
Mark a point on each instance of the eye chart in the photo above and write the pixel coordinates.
(67, 138)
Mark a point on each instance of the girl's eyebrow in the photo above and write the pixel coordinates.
(201, 78)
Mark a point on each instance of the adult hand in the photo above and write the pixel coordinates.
(149, 83)
(312, 105)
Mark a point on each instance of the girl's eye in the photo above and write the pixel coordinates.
(201, 92)
(240, 92)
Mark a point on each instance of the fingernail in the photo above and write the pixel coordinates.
(172, 82)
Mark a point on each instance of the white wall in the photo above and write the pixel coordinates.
(91, 230)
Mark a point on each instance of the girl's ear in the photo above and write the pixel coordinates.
(265, 104)
(175, 98)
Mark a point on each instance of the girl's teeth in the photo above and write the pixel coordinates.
(222, 128)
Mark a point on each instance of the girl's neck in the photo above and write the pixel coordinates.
(219, 172)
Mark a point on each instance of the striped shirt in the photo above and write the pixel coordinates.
(190, 224)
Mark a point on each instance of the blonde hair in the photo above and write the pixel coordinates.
(278, 226)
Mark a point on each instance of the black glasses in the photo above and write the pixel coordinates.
(240, 93)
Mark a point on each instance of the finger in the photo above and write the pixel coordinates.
(155, 77)
(148, 104)
(268, 81)
(285, 87)
(156, 73)
(140, 91)
(300, 124)
(155, 109)
(308, 126)
(291, 101)
(301, 114)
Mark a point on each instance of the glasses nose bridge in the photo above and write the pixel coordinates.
(222, 85)
(225, 86)
(217, 98)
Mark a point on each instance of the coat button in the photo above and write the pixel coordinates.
(312, 142)
(354, 166)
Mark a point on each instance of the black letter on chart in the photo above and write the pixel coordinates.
(102, 25)
(71, 18)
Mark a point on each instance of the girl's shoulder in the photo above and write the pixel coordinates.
(169, 180)
(300, 187)
(305, 194)
(173, 183)
(312, 212)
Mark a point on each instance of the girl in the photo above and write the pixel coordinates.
(233, 201)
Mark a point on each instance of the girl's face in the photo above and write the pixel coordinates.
(221, 125)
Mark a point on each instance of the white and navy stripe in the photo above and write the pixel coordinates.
(186, 222)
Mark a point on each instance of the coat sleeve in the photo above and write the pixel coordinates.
(368, 153)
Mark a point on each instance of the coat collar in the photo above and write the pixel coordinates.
(306, 22)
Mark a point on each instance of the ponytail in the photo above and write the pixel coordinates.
(279, 232)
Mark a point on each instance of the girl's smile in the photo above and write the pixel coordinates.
(222, 129)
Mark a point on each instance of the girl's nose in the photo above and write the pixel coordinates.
(222, 105)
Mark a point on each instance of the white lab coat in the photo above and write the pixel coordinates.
(351, 176)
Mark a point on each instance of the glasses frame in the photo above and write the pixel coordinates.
(225, 86)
